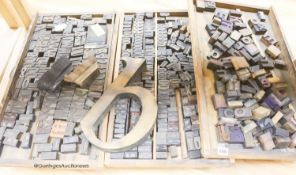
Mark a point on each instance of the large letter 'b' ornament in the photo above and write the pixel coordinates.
(115, 91)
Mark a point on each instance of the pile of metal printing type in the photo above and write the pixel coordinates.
(252, 101)
(175, 75)
(45, 111)
(137, 42)
(176, 84)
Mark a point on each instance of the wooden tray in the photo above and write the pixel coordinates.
(153, 163)
(211, 147)
(24, 157)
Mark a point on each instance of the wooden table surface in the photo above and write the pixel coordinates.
(12, 42)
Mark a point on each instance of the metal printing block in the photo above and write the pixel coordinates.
(222, 14)
(2, 131)
(236, 12)
(56, 144)
(273, 51)
(280, 64)
(118, 155)
(249, 140)
(130, 155)
(26, 140)
(266, 141)
(161, 155)
(282, 142)
(70, 128)
(243, 113)
(48, 156)
(52, 79)
(145, 155)
(265, 123)
(280, 132)
(219, 101)
(11, 133)
(173, 138)
(9, 120)
(68, 148)
(40, 138)
(44, 147)
(13, 142)
(71, 139)
(261, 16)
(228, 42)
(84, 147)
(260, 29)
(196, 154)
(235, 135)
(268, 39)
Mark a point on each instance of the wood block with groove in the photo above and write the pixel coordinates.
(239, 63)
(273, 51)
(83, 72)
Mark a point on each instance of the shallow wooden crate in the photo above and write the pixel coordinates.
(152, 163)
(211, 147)
(23, 158)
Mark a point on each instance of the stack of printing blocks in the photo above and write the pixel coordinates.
(252, 102)
(55, 115)
(175, 75)
(137, 42)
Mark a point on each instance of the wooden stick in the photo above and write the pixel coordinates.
(105, 133)
(8, 15)
(155, 83)
(181, 124)
(21, 11)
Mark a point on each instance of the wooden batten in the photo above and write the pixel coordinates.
(10, 84)
(243, 7)
(7, 12)
(21, 11)
(155, 87)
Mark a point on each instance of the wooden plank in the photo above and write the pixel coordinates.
(7, 13)
(7, 92)
(244, 7)
(111, 54)
(108, 161)
(208, 115)
(177, 163)
(10, 54)
(181, 125)
(282, 38)
(21, 11)
(197, 55)
(156, 84)
(236, 5)
(115, 70)
(93, 165)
